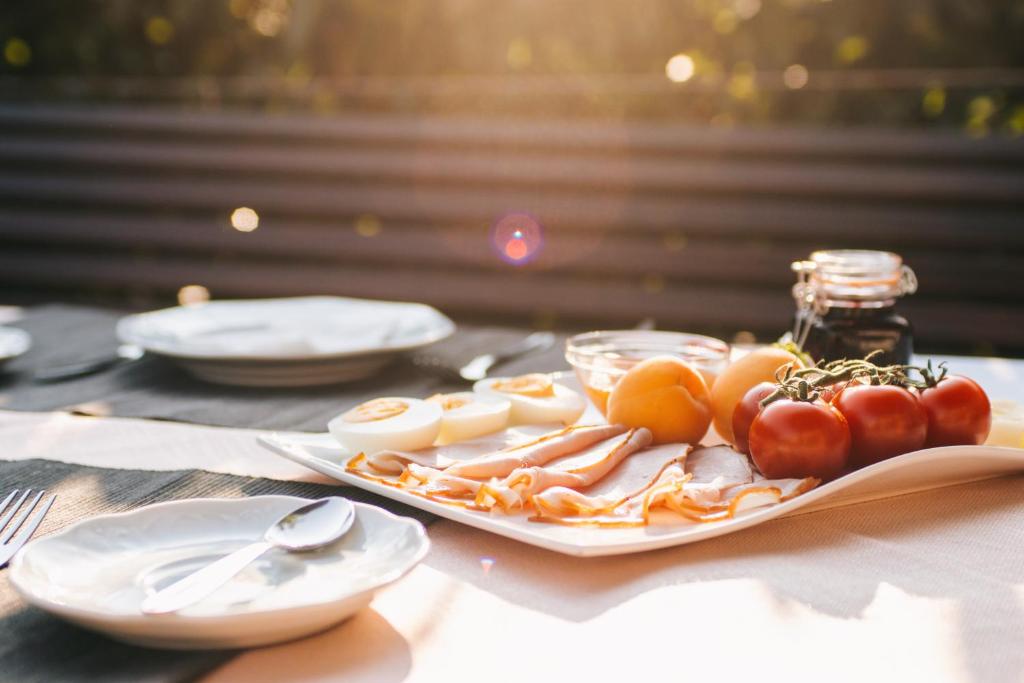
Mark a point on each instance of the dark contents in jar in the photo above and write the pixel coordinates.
(854, 332)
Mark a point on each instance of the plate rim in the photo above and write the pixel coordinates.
(95, 615)
(688, 534)
(445, 329)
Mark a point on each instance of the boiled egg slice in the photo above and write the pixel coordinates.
(535, 398)
(390, 423)
(468, 415)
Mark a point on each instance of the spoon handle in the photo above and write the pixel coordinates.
(200, 583)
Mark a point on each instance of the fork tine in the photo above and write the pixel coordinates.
(14, 508)
(20, 519)
(30, 527)
(7, 500)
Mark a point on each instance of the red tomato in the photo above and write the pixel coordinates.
(799, 439)
(958, 412)
(745, 412)
(884, 421)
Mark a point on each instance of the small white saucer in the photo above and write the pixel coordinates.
(95, 573)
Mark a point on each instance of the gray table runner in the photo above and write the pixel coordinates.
(157, 389)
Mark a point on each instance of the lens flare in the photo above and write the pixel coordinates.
(517, 238)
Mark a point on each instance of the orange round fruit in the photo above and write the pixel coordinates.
(667, 396)
(737, 379)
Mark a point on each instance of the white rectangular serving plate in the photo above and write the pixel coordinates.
(917, 471)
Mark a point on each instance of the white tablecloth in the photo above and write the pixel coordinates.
(922, 587)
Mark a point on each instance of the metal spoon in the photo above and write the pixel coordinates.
(308, 528)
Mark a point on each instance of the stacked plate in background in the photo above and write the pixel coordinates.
(285, 342)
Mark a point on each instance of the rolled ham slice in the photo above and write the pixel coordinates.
(535, 453)
(630, 478)
(576, 472)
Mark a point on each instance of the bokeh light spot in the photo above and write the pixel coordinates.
(674, 241)
(486, 563)
(852, 49)
(654, 283)
(725, 21)
(517, 238)
(934, 102)
(244, 219)
(159, 30)
(189, 295)
(1015, 124)
(744, 337)
(795, 76)
(980, 111)
(238, 8)
(746, 9)
(742, 86)
(519, 54)
(367, 225)
(17, 52)
(680, 68)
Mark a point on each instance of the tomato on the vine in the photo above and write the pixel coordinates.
(885, 420)
(797, 438)
(745, 412)
(958, 411)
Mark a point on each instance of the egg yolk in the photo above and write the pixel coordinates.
(448, 401)
(377, 409)
(536, 384)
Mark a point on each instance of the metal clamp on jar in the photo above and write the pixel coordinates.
(846, 305)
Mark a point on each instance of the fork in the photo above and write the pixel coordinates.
(17, 533)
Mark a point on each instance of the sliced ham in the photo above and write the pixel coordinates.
(599, 475)
(675, 488)
(535, 453)
(441, 457)
(439, 482)
(633, 475)
(787, 488)
(576, 472)
(719, 465)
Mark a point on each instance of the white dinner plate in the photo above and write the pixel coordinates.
(13, 343)
(96, 573)
(908, 473)
(285, 342)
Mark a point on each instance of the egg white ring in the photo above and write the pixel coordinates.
(481, 415)
(566, 406)
(415, 428)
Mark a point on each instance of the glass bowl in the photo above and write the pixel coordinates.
(600, 359)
